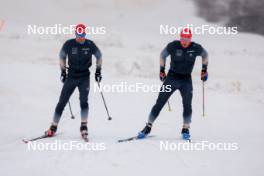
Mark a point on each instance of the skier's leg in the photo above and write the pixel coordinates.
(162, 99)
(66, 92)
(84, 87)
(186, 91)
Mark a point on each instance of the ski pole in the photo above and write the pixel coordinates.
(203, 102)
(72, 116)
(169, 107)
(102, 95)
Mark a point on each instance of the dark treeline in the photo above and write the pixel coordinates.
(248, 15)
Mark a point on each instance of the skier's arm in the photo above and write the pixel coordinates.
(98, 56)
(204, 56)
(62, 63)
(204, 73)
(163, 55)
(63, 56)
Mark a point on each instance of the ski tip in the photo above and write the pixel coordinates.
(135, 138)
(121, 140)
(126, 140)
(25, 141)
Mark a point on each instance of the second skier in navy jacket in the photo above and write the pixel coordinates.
(183, 54)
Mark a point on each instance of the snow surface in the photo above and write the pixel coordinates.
(30, 87)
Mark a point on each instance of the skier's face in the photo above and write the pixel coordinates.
(185, 42)
(80, 37)
(80, 40)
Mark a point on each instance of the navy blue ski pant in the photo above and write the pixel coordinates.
(69, 86)
(184, 85)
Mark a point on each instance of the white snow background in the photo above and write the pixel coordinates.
(30, 87)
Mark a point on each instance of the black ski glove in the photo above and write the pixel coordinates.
(98, 75)
(204, 73)
(63, 76)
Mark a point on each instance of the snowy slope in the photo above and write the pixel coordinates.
(29, 90)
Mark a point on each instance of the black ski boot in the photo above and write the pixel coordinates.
(51, 131)
(185, 134)
(84, 130)
(142, 134)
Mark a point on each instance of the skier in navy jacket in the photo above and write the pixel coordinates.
(183, 54)
(79, 52)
